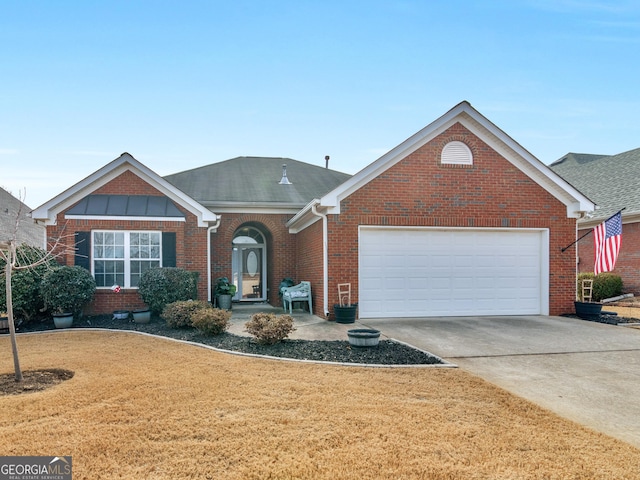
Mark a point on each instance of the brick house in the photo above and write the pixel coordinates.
(458, 219)
(611, 181)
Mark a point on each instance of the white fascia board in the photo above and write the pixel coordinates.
(237, 207)
(577, 204)
(306, 222)
(123, 217)
(48, 211)
(594, 222)
(332, 199)
(304, 218)
(464, 113)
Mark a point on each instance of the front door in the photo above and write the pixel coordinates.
(248, 263)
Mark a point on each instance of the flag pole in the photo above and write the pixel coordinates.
(590, 231)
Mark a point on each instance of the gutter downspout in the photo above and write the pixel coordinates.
(325, 259)
(212, 228)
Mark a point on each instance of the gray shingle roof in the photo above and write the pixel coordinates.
(28, 231)
(255, 180)
(611, 181)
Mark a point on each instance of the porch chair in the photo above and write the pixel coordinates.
(297, 293)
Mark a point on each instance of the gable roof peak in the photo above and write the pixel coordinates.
(125, 162)
(484, 129)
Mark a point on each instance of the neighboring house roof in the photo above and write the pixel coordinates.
(12, 210)
(245, 182)
(125, 162)
(611, 181)
(470, 118)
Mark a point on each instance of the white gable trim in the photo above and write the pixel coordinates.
(47, 212)
(577, 204)
(123, 217)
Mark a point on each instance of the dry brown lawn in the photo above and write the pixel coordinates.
(145, 408)
(624, 311)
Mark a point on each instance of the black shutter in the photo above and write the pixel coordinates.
(83, 250)
(168, 249)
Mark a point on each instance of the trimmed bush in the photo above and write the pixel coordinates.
(28, 303)
(211, 321)
(179, 314)
(159, 287)
(269, 328)
(67, 289)
(605, 285)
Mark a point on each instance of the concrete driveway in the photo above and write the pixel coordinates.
(586, 372)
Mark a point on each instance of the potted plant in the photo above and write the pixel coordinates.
(66, 290)
(224, 293)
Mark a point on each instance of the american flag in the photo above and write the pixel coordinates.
(607, 239)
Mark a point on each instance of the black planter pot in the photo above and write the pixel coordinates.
(588, 310)
(345, 314)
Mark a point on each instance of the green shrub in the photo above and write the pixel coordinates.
(269, 328)
(211, 321)
(605, 285)
(67, 289)
(25, 284)
(179, 314)
(159, 287)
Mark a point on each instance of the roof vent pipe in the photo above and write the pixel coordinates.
(326, 159)
(284, 180)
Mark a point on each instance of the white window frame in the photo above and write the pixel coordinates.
(127, 254)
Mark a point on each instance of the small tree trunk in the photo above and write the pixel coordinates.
(12, 328)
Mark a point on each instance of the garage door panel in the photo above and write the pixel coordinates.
(429, 272)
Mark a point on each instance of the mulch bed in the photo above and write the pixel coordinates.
(33, 381)
(387, 352)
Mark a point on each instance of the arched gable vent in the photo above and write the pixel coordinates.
(456, 153)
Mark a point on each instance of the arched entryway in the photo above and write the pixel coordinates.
(249, 264)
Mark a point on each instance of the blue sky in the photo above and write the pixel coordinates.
(181, 84)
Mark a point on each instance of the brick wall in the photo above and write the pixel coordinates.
(628, 263)
(191, 243)
(419, 191)
(309, 264)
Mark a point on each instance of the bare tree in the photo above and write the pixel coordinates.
(14, 262)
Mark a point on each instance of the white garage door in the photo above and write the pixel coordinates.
(427, 272)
